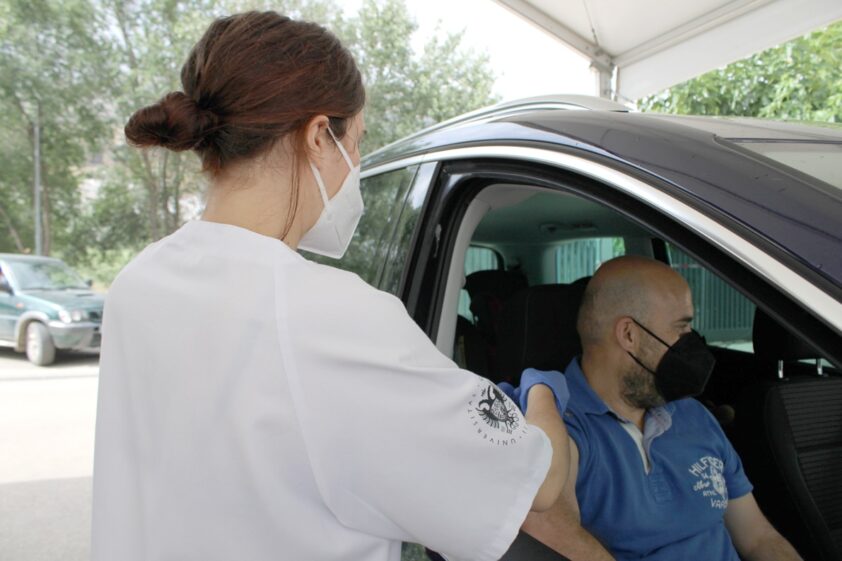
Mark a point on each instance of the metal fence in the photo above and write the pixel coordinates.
(581, 258)
(723, 315)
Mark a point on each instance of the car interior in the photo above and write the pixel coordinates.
(521, 260)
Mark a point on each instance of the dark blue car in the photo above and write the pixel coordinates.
(473, 220)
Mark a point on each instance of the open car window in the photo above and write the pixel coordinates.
(724, 316)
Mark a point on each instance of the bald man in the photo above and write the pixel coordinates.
(652, 475)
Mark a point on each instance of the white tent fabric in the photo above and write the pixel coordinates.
(649, 45)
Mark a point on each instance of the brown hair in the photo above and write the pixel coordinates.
(252, 79)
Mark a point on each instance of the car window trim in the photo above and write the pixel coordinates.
(418, 195)
(777, 274)
(393, 166)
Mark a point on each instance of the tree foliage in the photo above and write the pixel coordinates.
(408, 91)
(799, 80)
(53, 73)
(84, 66)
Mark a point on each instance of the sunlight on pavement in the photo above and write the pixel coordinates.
(47, 420)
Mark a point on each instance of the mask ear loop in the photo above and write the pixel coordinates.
(640, 325)
(341, 150)
(637, 360)
(318, 175)
(321, 185)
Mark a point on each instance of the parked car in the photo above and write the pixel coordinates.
(470, 221)
(45, 305)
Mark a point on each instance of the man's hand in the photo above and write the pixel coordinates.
(753, 536)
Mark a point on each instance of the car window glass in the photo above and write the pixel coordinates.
(539, 237)
(722, 314)
(575, 259)
(383, 196)
(395, 265)
(477, 259)
(46, 275)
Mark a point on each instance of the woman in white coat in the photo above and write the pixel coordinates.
(254, 405)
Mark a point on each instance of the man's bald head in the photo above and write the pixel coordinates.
(629, 286)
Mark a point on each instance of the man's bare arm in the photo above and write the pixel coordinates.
(560, 527)
(753, 536)
(543, 413)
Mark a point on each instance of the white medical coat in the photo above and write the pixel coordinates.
(256, 406)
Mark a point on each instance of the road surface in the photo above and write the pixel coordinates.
(46, 455)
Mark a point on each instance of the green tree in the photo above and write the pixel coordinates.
(408, 91)
(89, 64)
(799, 80)
(52, 61)
(154, 39)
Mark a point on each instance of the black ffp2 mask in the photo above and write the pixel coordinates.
(684, 369)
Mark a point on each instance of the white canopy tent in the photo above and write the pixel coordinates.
(639, 47)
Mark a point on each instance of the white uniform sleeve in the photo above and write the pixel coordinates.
(404, 444)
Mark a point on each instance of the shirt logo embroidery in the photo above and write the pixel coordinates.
(710, 482)
(494, 416)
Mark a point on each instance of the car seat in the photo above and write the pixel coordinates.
(537, 329)
(476, 343)
(489, 291)
(791, 422)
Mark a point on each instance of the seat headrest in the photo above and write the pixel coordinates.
(773, 342)
(501, 284)
(537, 329)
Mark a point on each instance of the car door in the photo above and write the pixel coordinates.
(8, 310)
(432, 285)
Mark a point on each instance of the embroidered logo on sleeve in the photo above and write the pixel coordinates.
(494, 416)
(710, 482)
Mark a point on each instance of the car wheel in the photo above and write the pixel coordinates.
(40, 349)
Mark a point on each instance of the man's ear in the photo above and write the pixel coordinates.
(626, 334)
(316, 138)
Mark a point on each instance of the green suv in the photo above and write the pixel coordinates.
(45, 305)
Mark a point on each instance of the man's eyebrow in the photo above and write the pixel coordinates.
(685, 319)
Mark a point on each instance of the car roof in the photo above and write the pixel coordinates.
(694, 158)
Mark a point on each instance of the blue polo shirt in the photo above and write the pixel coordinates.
(676, 510)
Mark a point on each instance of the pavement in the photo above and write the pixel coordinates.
(47, 417)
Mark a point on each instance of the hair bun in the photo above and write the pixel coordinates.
(175, 122)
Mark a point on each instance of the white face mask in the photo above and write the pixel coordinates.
(332, 232)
